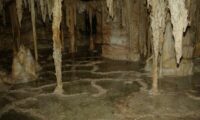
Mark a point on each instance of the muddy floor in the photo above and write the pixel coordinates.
(99, 89)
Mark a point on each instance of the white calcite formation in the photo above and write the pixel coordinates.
(110, 7)
(179, 20)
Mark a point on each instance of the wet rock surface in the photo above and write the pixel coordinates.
(100, 89)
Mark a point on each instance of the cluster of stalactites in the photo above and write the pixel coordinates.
(45, 7)
(179, 19)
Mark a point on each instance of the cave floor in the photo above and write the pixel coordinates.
(100, 89)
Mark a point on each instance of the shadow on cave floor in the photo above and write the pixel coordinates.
(96, 88)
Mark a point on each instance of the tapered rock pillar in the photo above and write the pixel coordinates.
(158, 15)
(57, 45)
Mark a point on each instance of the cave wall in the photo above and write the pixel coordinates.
(126, 37)
(197, 28)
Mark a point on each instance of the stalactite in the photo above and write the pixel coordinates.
(19, 7)
(158, 15)
(90, 12)
(43, 9)
(110, 7)
(34, 29)
(29, 4)
(70, 22)
(25, 3)
(62, 38)
(57, 17)
(179, 20)
(49, 7)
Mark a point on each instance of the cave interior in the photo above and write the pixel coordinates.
(99, 60)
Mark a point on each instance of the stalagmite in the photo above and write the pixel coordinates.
(24, 66)
(57, 17)
(110, 7)
(158, 15)
(34, 29)
(179, 20)
(19, 7)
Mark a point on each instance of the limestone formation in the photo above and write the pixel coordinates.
(24, 67)
(179, 18)
(110, 7)
(57, 55)
(158, 16)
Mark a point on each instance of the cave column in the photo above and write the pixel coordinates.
(57, 45)
(158, 15)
